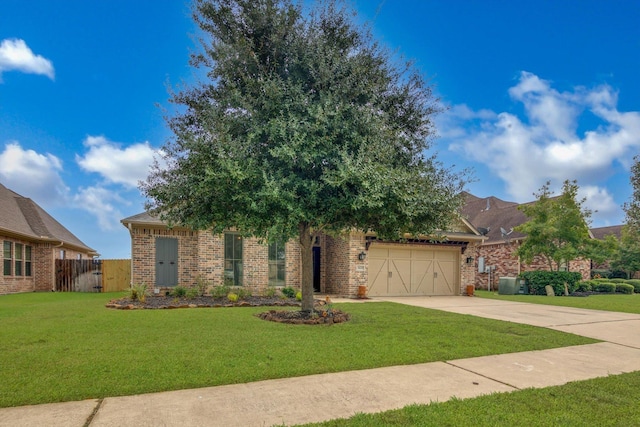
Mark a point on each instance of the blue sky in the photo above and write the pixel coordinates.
(536, 91)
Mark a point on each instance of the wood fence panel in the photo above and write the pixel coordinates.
(78, 275)
(116, 275)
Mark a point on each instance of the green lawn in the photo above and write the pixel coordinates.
(614, 302)
(68, 346)
(608, 401)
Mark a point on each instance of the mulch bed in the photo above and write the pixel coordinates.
(322, 314)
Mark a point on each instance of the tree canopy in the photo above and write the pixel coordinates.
(557, 228)
(303, 124)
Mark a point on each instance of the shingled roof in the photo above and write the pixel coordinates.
(491, 216)
(601, 232)
(23, 218)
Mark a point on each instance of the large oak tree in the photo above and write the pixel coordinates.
(303, 124)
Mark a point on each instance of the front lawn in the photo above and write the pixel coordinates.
(67, 346)
(608, 401)
(606, 302)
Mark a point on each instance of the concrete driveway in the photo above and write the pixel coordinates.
(614, 327)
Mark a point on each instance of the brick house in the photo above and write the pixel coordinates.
(31, 242)
(164, 257)
(496, 219)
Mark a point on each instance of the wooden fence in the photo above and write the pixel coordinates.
(86, 275)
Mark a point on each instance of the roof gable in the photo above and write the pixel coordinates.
(22, 216)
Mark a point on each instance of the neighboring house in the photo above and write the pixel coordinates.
(164, 257)
(31, 242)
(496, 220)
(600, 233)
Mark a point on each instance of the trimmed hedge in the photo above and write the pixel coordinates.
(585, 286)
(618, 280)
(605, 287)
(624, 288)
(537, 280)
(636, 285)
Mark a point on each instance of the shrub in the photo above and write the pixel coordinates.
(202, 285)
(270, 292)
(138, 292)
(537, 280)
(289, 292)
(599, 274)
(242, 293)
(232, 297)
(220, 291)
(606, 287)
(617, 280)
(584, 286)
(192, 292)
(299, 296)
(636, 285)
(624, 288)
(179, 291)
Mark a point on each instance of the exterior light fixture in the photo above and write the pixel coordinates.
(362, 255)
(469, 260)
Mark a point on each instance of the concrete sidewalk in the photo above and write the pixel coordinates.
(327, 396)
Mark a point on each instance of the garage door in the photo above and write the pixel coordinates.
(395, 271)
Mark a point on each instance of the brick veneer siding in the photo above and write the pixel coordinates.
(345, 272)
(42, 279)
(201, 256)
(501, 257)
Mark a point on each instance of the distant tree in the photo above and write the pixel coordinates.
(557, 229)
(628, 256)
(303, 125)
(632, 208)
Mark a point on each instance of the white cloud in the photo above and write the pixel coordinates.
(101, 202)
(545, 144)
(125, 166)
(16, 55)
(33, 175)
(601, 203)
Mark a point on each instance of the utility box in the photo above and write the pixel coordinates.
(522, 287)
(508, 286)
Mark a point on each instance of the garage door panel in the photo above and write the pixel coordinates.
(378, 271)
(412, 271)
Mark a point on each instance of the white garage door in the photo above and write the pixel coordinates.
(397, 271)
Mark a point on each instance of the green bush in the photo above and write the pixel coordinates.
(599, 274)
(179, 292)
(606, 287)
(289, 292)
(232, 297)
(636, 285)
(537, 280)
(602, 280)
(270, 292)
(617, 280)
(584, 286)
(624, 288)
(299, 296)
(138, 292)
(192, 292)
(220, 291)
(242, 293)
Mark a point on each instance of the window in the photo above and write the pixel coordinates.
(17, 271)
(63, 254)
(276, 264)
(8, 258)
(27, 261)
(232, 259)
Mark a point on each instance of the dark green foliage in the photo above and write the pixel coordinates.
(537, 280)
(600, 273)
(636, 285)
(624, 288)
(220, 291)
(302, 124)
(606, 287)
(584, 286)
(289, 292)
(179, 291)
(617, 280)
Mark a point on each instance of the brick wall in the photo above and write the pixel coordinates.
(501, 256)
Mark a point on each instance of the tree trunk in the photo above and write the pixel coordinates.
(306, 252)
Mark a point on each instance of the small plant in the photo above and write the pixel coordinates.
(179, 291)
(585, 286)
(202, 285)
(232, 297)
(270, 292)
(289, 292)
(624, 288)
(192, 292)
(299, 296)
(220, 291)
(138, 292)
(242, 293)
